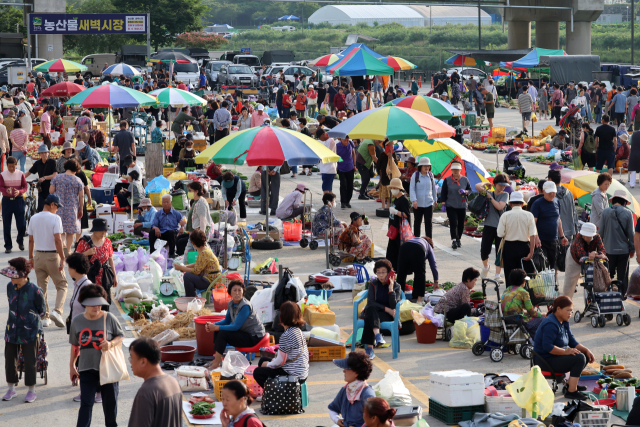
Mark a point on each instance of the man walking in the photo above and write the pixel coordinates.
(619, 103)
(47, 257)
(566, 203)
(525, 105)
(125, 145)
(605, 145)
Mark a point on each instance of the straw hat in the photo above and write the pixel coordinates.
(396, 183)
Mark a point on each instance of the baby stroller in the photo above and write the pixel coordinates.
(601, 306)
(42, 364)
(507, 333)
(512, 165)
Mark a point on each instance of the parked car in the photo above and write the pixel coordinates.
(212, 69)
(237, 74)
(290, 70)
(466, 73)
(284, 28)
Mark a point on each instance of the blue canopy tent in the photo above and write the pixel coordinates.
(293, 18)
(532, 59)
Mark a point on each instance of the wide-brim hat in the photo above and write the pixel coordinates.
(424, 161)
(67, 145)
(145, 203)
(588, 229)
(94, 302)
(43, 149)
(80, 145)
(624, 137)
(516, 197)
(396, 183)
(12, 273)
(621, 194)
(99, 224)
(555, 166)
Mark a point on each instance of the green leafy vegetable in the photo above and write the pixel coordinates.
(202, 408)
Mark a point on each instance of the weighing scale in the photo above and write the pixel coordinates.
(166, 287)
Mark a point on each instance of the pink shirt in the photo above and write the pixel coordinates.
(20, 138)
(45, 122)
(15, 180)
(257, 119)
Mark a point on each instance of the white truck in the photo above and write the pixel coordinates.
(284, 28)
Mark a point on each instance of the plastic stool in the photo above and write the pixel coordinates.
(305, 395)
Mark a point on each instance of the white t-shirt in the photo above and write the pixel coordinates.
(137, 169)
(329, 168)
(580, 101)
(43, 227)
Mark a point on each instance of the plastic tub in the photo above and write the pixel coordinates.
(204, 339)
(182, 302)
(177, 353)
(426, 333)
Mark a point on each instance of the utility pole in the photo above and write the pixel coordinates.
(479, 26)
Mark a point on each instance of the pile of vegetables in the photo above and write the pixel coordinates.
(357, 184)
(168, 165)
(477, 295)
(202, 408)
(471, 223)
(612, 384)
(617, 372)
(120, 236)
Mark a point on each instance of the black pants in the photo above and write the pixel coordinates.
(346, 185)
(219, 134)
(393, 249)
(373, 316)
(489, 236)
(411, 259)
(457, 313)
(234, 339)
(273, 183)
(192, 282)
(170, 236)
(181, 243)
(418, 215)
(41, 197)
(588, 159)
(231, 194)
(619, 118)
(13, 206)
(620, 264)
(512, 254)
(456, 222)
(261, 375)
(555, 112)
(365, 174)
(572, 364)
(138, 230)
(89, 385)
(634, 416)
(30, 355)
(550, 250)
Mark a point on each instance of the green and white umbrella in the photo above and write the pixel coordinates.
(177, 98)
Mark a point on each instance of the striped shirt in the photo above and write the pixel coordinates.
(525, 102)
(15, 180)
(19, 137)
(293, 344)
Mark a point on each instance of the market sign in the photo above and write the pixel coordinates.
(245, 50)
(87, 23)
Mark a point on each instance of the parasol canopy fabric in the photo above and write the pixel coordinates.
(176, 98)
(60, 66)
(394, 123)
(437, 108)
(359, 63)
(397, 63)
(178, 57)
(465, 60)
(63, 89)
(325, 61)
(532, 59)
(121, 70)
(111, 95)
(268, 146)
(442, 152)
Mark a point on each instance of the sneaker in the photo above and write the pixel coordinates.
(10, 395)
(46, 323)
(379, 340)
(57, 319)
(363, 197)
(78, 398)
(575, 395)
(30, 397)
(485, 272)
(259, 399)
(98, 397)
(582, 388)
(498, 278)
(369, 351)
(454, 245)
(458, 243)
(348, 205)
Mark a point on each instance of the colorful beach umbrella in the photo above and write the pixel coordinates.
(111, 96)
(437, 108)
(64, 89)
(176, 98)
(359, 63)
(59, 66)
(442, 152)
(121, 70)
(267, 146)
(325, 61)
(398, 64)
(465, 60)
(394, 123)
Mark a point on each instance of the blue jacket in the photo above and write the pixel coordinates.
(147, 217)
(552, 333)
(422, 189)
(26, 307)
(351, 414)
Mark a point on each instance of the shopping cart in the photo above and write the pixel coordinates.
(42, 364)
(542, 286)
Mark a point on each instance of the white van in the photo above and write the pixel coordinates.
(284, 28)
(188, 73)
(96, 61)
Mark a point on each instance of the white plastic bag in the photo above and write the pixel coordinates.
(130, 261)
(165, 337)
(261, 302)
(178, 281)
(234, 365)
(154, 269)
(392, 389)
(158, 245)
(195, 305)
(434, 297)
(192, 378)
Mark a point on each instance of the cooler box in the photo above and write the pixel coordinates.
(102, 195)
(457, 388)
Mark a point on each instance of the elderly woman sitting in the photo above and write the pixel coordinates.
(347, 409)
(241, 326)
(516, 301)
(325, 219)
(352, 241)
(458, 299)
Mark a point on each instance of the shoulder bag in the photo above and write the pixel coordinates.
(282, 396)
(480, 206)
(113, 367)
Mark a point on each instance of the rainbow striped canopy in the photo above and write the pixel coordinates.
(60, 66)
(437, 108)
(359, 62)
(398, 64)
(111, 95)
(394, 123)
(464, 60)
(268, 146)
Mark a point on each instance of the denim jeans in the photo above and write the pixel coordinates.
(21, 157)
(89, 385)
(599, 114)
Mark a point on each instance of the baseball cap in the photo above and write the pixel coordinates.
(550, 187)
(53, 198)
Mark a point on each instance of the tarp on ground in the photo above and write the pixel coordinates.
(568, 68)
(505, 55)
(532, 59)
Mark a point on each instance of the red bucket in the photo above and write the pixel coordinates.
(426, 333)
(204, 339)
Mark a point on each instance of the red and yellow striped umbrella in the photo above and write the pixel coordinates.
(398, 63)
(60, 66)
(325, 61)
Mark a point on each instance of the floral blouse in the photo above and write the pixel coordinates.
(26, 307)
(207, 264)
(103, 253)
(321, 221)
(350, 237)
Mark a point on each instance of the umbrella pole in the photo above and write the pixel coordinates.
(267, 237)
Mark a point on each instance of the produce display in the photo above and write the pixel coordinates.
(202, 409)
(179, 323)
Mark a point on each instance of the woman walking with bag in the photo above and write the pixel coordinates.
(98, 249)
(91, 335)
(497, 203)
(423, 192)
(399, 222)
(455, 190)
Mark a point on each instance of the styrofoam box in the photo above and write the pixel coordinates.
(103, 209)
(504, 404)
(457, 388)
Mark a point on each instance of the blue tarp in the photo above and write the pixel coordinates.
(532, 59)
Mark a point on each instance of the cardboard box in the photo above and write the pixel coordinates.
(109, 218)
(128, 226)
(103, 209)
(118, 221)
(313, 317)
(256, 235)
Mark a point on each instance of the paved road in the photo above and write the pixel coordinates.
(55, 407)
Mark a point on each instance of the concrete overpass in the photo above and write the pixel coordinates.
(548, 23)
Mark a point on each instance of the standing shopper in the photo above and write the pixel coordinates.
(24, 327)
(124, 144)
(498, 202)
(234, 193)
(517, 228)
(398, 212)
(346, 170)
(605, 145)
(270, 182)
(414, 253)
(599, 199)
(222, 121)
(12, 186)
(567, 205)
(546, 211)
(525, 106)
(543, 101)
(70, 190)
(557, 101)
(327, 170)
(19, 138)
(587, 147)
(46, 169)
(87, 341)
(98, 249)
(47, 257)
(455, 190)
(423, 193)
(365, 157)
(45, 125)
(618, 235)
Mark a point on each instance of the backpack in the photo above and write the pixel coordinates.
(246, 420)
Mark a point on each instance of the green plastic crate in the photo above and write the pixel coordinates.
(452, 415)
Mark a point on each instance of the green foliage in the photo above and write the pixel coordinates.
(9, 17)
(200, 39)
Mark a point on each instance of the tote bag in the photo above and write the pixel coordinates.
(406, 233)
(113, 367)
(282, 396)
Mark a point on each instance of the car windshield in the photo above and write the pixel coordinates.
(191, 67)
(240, 69)
(216, 66)
(249, 60)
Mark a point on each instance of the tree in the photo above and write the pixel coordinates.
(168, 17)
(9, 17)
(200, 39)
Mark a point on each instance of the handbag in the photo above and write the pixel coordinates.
(561, 255)
(392, 232)
(285, 168)
(601, 278)
(113, 367)
(480, 206)
(282, 396)
(406, 233)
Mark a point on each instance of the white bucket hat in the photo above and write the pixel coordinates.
(516, 197)
(424, 161)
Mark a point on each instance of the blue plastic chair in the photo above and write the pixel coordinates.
(362, 275)
(394, 326)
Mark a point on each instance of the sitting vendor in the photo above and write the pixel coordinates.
(560, 140)
(326, 219)
(458, 299)
(516, 301)
(166, 225)
(557, 347)
(146, 213)
(255, 182)
(177, 149)
(234, 193)
(132, 196)
(291, 205)
(241, 326)
(384, 293)
(187, 157)
(353, 241)
(414, 253)
(88, 156)
(200, 274)
(347, 409)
